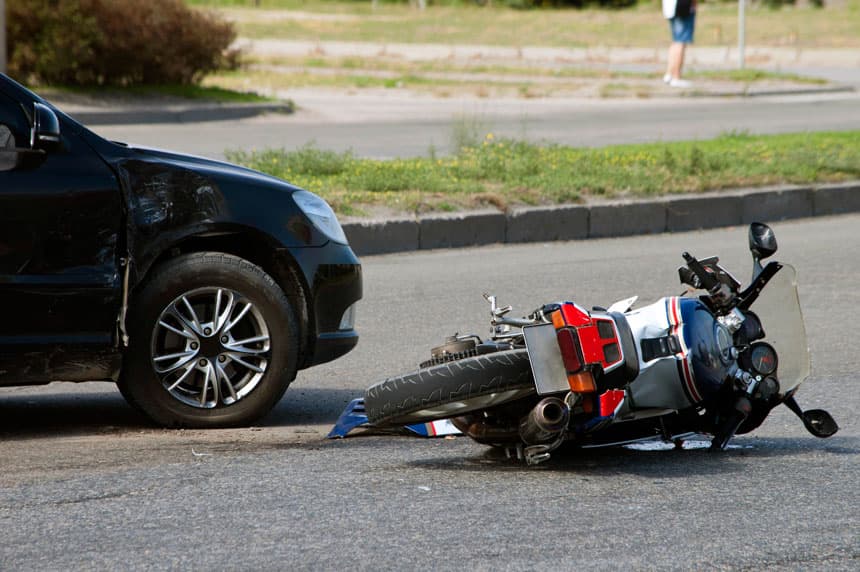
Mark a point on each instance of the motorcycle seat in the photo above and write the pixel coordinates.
(627, 372)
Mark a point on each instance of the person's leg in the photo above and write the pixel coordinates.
(669, 63)
(676, 49)
(681, 49)
(682, 34)
(689, 28)
(675, 60)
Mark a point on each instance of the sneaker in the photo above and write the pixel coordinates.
(681, 83)
(667, 78)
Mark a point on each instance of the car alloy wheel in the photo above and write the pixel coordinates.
(210, 347)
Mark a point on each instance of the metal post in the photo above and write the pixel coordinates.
(741, 33)
(2, 36)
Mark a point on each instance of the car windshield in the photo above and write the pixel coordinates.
(778, 307)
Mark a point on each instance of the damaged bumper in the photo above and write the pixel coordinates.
(333, 277)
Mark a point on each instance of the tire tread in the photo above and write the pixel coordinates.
(397, 397)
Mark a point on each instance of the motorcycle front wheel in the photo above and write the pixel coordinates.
(450, 389)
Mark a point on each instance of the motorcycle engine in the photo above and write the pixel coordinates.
(458, 347)
(455, 348)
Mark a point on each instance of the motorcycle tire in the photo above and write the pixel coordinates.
(450, 389)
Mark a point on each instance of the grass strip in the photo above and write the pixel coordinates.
(191, 92)
(504, 172)
(833, 26)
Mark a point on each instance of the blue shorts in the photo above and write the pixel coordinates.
(682, 28)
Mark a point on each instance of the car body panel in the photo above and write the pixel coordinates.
(71, 226)
(60, 237)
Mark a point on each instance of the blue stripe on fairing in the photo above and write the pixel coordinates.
(688, 307)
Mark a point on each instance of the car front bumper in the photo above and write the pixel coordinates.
(332, 275)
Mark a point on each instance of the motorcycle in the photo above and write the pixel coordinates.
(700, 363)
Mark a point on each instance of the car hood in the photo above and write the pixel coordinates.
(220, 171)
(171, 197)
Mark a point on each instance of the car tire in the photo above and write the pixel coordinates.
(450, 389)
(213, 342)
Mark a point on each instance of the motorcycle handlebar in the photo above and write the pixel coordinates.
(708, 280)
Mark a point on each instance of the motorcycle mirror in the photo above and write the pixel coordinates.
(762, 245)
(762, 240)
(820, 423)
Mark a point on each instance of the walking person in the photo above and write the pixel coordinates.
(682, 22)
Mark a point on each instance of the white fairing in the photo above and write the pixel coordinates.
(623, 305)
(660, 383)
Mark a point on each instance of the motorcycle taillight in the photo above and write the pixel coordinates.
(571, 353)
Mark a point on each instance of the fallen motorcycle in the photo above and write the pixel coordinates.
(682, 366)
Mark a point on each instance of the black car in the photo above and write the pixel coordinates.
(200, 287)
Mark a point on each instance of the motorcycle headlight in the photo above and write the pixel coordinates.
(321, 214)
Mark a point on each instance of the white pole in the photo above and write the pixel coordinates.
(741, 33)
(2, 36)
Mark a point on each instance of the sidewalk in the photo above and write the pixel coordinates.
(141, 111)
(708, 57)
(840, 65)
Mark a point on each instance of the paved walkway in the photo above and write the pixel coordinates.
(709, 57)
(840, 67)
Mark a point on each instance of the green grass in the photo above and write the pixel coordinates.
(199, 92)
(546, 70)
(834, 26)
(750, 75)
(448, 79)
(503, 172)
(349, 79)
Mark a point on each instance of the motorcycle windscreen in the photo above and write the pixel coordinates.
(778, 307)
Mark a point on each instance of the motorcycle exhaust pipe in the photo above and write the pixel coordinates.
(482, 432)
(545, 422)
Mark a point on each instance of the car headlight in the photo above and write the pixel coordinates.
(321, 214)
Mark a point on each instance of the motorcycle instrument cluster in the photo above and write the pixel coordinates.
(760, 358)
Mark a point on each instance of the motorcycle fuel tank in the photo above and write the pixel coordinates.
(693, 358)
(710, 347)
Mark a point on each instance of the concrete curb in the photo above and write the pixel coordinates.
(604, 220)
(174, 114)
(753, 92)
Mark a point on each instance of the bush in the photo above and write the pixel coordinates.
(106, 42)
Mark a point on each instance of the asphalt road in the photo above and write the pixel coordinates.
(85, 483)
(382, 125)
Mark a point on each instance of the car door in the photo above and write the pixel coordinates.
(60, 283)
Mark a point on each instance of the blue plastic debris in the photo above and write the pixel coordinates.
(355, 416)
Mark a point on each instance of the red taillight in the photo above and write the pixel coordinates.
(571, 353)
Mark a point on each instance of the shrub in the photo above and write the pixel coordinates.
(105, 42)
